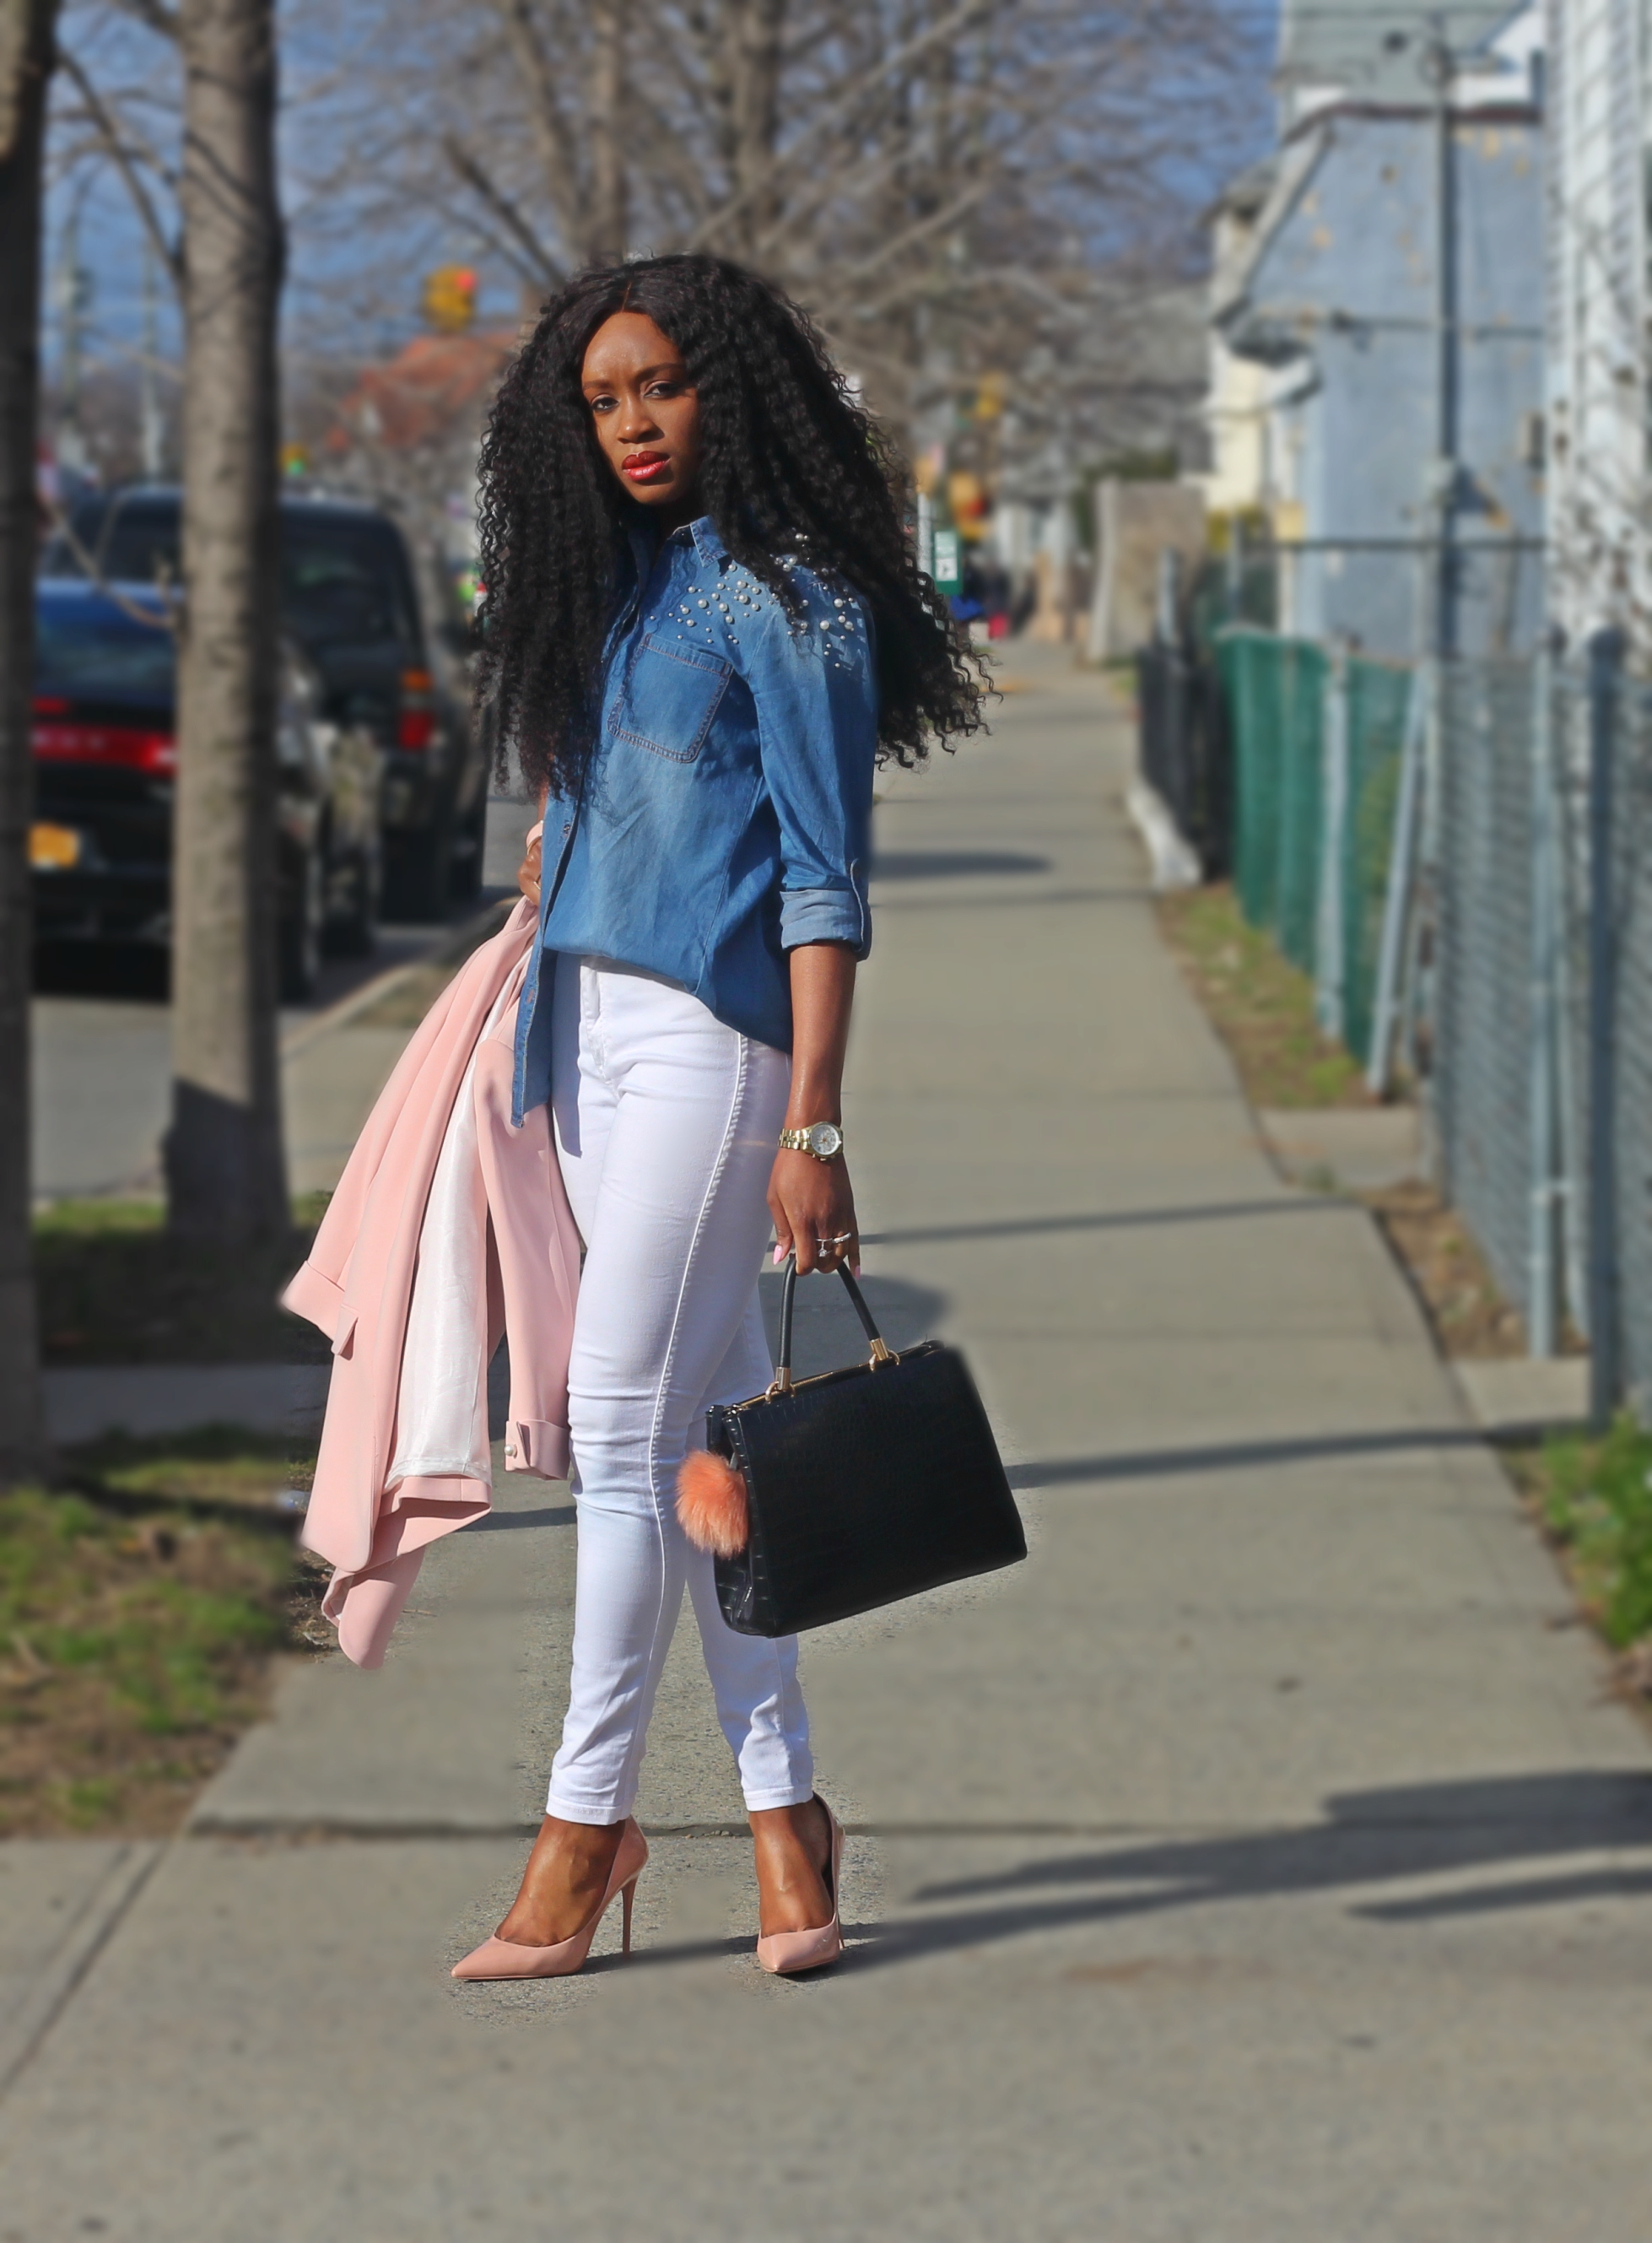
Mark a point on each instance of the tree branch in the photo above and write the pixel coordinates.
(156, 16)
(470, 170)
(115, 147)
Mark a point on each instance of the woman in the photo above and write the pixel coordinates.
(704, 626)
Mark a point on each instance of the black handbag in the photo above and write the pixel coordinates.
(863, 1486)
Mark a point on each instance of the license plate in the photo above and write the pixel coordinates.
(53, 848)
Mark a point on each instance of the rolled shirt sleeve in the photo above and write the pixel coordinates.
(813, 684)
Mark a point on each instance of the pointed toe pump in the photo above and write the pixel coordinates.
(785, 1953)
(505, 1958)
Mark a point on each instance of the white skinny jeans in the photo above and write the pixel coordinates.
(666, 1122)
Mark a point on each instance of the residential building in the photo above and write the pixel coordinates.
(1597, 117)
(1379, 377)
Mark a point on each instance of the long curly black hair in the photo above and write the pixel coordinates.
(791, 463)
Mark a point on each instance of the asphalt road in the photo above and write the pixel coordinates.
(102, 1068)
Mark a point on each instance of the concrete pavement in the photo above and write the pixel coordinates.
(1262, 1863)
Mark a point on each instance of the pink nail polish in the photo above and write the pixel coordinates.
(779, 1255)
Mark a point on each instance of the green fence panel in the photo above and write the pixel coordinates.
(1378, 696)
(1276, 694)
(1302, 671)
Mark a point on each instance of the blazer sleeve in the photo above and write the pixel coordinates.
(813, 680)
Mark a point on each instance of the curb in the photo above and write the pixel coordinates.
(454, 945)
(1174, 864)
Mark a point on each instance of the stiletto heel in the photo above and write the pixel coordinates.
(630, 1898)
(787, 1952)
(507, 1958)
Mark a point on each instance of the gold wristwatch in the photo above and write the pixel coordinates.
(823, 1139)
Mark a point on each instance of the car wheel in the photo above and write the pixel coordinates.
(299, 937)
(353, 933)
(420, 874)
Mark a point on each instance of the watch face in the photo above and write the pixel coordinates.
(824, 1139)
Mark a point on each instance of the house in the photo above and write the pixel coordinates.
(1378, 380)
(1598, 120)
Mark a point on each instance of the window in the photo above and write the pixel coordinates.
(88, 650)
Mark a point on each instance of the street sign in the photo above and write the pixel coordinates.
(949, 577)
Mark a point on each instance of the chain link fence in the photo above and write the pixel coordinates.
(1461, 858)
(1479, 1033)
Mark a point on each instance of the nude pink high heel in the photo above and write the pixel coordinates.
(506, 1958)
(787, 1952)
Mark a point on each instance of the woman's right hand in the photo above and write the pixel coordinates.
(528, 873)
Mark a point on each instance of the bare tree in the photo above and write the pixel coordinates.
(957, 189)
(25, 64)
(225, 1170)
(605, 230)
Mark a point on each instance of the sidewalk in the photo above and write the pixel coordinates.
(1260, 1863)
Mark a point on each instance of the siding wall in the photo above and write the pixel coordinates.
(1596, 244)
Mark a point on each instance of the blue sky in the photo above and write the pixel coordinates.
(366, 309)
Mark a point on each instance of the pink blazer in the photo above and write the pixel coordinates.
(504, 1211)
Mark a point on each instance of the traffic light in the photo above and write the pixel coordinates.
(450, 299)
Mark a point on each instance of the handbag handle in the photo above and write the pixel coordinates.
(882, 1353)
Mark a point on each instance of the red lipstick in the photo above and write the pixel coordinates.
(645, 467)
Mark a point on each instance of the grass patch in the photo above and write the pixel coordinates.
(134, 1648)
(1258, 1003)
(217, 1469)
(1593, 1496)
(115, 1286)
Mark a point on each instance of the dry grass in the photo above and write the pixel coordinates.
(1260, 1005)
(1262, 1008)
(1469, 1317)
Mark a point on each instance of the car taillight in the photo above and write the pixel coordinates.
(416, 716)
(130, 746)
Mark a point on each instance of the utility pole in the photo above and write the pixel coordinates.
(1442, 512)
(26, 28)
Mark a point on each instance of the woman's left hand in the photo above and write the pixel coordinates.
(814, 1210)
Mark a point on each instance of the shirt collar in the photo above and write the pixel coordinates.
(707, 543)
(646, 544)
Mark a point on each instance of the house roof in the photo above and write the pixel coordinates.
(418, 397)
(1380, 53)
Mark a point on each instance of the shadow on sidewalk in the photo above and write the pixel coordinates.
(1421, 1830)
(953, 863)
(1129, 1218)
(1371, 1837)
(1239, 1456)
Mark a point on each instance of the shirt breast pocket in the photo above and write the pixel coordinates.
(670, 695)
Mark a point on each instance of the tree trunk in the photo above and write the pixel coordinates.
(756, 120)
(605, 238)
(226, 1171)
(25, 65)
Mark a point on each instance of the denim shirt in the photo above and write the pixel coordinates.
(725, 815)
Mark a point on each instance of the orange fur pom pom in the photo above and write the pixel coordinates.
(711, 1504)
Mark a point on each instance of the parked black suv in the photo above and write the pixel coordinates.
(349, 597)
